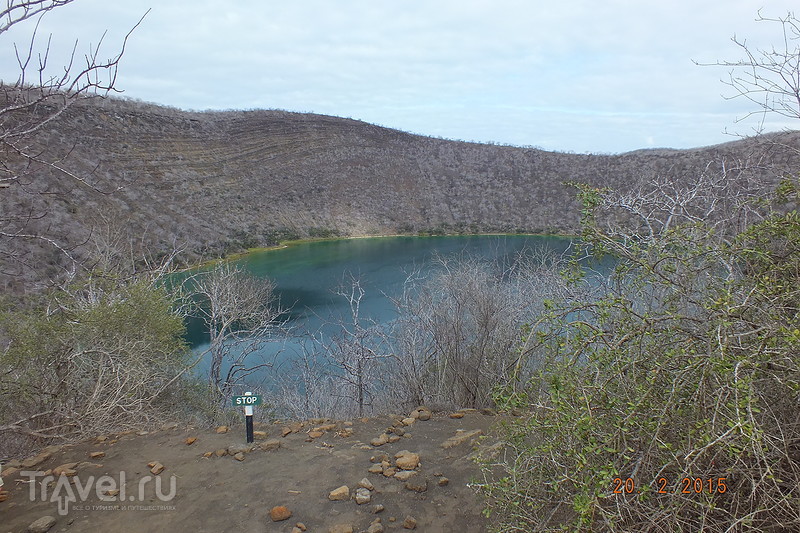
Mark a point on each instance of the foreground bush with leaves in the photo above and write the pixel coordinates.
(92, 357)
(669, 400)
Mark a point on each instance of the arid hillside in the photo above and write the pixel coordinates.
(216, 182)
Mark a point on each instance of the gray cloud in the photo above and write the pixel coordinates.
(579, 75)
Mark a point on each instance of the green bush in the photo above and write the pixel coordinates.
(684, 366)
(94, 357)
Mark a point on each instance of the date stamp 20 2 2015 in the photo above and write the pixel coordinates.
(663, 485)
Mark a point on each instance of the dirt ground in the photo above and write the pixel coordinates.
(203, 487)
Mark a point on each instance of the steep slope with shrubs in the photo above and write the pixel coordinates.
(215, 182)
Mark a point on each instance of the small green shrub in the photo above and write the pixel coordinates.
(96, 356)
(668, 399)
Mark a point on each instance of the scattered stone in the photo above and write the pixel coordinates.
(379, 458)
(410, 523)
(408, 461)
(344, 433)
(443, 481)
(239, 456)
(363, 496)
(326, 427)
(409, 421)
(382, 439)
(389, 472)
(461, 437)
(340, 494)
(417, 484)
(375, 526)
(191, 440)
(394, 438)
(222, 429)
(9, 472)
(457, 415)
(341, 528)
(301, 526)
(139, 433)
(3, 495)
(171, 425)
(221, 452)
(488, 412)
(280, 513)
(375, 469)
(270, 445)
(286, 431)
(317, 421)
(36, 460)
(377, 508)
(155, 467)
(112, 493)
(366, 484)
(296, 529)
(67, 469)
(315, 434)
(208, 454)
(348, 424)
(239, 448)
(421, 413)
(42, 525)
(97, 455)
(260, 435)
(399, 431)
(405, 475)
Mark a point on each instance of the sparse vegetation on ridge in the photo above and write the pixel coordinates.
(214, 184)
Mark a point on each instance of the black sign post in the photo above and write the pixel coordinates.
(248, 401)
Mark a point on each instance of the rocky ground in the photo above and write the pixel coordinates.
(392, 473)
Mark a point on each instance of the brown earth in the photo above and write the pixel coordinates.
(216, 492)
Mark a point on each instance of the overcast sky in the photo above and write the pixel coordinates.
(571, 75)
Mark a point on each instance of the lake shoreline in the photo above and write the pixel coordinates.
(282, 245)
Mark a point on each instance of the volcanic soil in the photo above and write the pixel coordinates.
(399, 476)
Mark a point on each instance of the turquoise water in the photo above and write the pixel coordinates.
(307, 275)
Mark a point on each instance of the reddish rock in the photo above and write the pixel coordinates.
(380, 440)
(408, 461)
(280, 513)
(67, 469)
